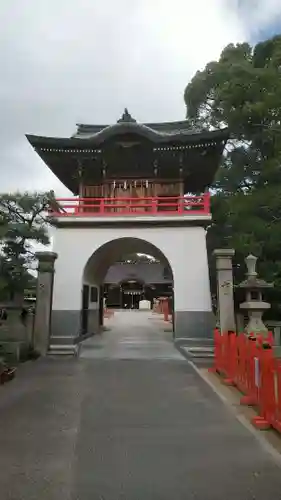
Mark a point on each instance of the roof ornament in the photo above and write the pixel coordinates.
(126, 117)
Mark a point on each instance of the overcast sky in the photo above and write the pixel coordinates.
(69, 61)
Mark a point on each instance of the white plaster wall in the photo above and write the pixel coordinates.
(184, 248)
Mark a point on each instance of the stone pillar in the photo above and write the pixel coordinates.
(44, 296)
(225, 289)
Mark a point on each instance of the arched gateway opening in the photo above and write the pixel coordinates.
(125, 293)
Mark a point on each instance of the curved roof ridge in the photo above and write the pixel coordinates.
(122, 127)
(148, 124)
(161, 129)
(187, 136)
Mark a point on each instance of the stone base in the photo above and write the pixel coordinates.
(191, 327)
(195, 325)
(65, 323)
(66, 326)
(14, 350)
(93, 321)
(66, 331)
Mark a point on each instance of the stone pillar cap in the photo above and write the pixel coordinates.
(46, 256)
(224, 252)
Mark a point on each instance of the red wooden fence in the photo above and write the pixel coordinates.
(249, 364)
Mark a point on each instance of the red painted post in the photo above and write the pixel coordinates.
(276, 417)
(231, 360)
(207, 200)
(249, 363)
(166, 309)
(252, 372)
(102, 206)
(154, 204)
(266, 392)
(181, 205)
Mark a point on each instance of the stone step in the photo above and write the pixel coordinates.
(61, 340)
(200, 353)
(197, 351)
(63, 350)
(208, 341)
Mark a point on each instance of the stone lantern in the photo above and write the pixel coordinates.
(254, 304)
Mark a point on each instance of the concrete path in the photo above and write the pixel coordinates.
(132, 335)
(132, 428)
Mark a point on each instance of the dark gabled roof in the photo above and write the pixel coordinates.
(172, 140)
(157, 132)
(165, 133)
(97, 139)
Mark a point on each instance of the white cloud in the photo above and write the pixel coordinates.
(259, 14)
(71, 61)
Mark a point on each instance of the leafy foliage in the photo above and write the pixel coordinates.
(242, 90)
(138, 258)
(23, 221)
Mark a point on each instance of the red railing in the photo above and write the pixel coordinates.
(249, 364)
(92, 207)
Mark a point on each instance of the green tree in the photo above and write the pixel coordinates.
(138, 258)
(24, 221)
(242, 90)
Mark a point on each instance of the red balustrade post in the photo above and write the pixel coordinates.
(154, 203)
(102, 206)
(77, 207)
(81, 206)
(207, 203)
(180, 205)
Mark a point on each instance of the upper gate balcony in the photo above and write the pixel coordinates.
(133, 170)
(148, 208)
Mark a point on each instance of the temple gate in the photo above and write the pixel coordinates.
(137, 188)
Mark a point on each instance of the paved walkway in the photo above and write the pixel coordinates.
(132, 428)
(132, 335)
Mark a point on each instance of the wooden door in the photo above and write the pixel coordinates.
(85, 309)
